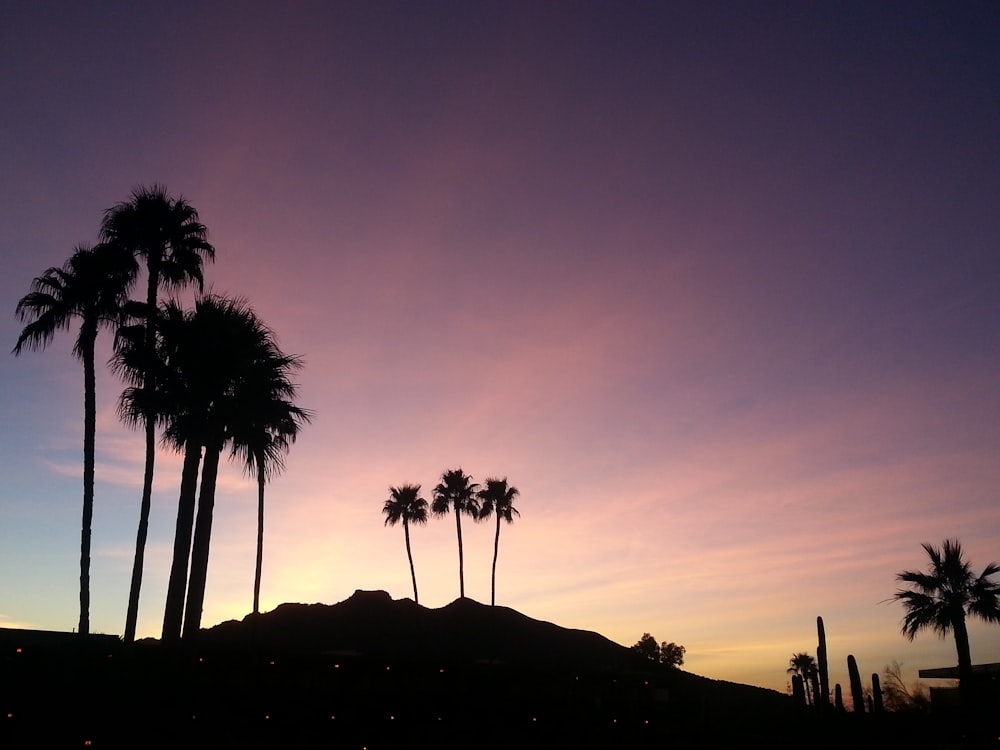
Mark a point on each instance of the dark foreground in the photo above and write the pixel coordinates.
(345, 677)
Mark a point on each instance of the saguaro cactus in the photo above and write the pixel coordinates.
(838, 698)
(877, 705)
(857, 692)
(824, 670)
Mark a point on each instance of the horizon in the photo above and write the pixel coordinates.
(715, 288)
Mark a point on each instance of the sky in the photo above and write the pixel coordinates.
(715, 285)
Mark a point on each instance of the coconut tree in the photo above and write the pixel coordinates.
(406, 505)
(167, 235)
(261, 435)
(945, 596)
(497, 499)
(804, 665)
(457, 492)
(92, 286)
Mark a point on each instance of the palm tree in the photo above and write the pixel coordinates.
(262, 435)
(942, 598)
(406, 505)
(804, 665)
(167, 234)
(497, 498)
(172, 402)
(225, 382)
(456, 491)
(92, 286)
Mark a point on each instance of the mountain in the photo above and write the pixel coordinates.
(373, 672)
(371, 623)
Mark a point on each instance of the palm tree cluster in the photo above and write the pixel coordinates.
(205, 380)
(455, 492)
(804, 666)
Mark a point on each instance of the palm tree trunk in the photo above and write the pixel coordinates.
(409, 555)
(260, 535)
(88, 335)
(174, 612)
(132, 616)
(148, 383)
(496, 549)
(202, 539)
(964, 657)
(461, 563)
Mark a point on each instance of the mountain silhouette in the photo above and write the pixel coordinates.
(371, 623)
(371, 672)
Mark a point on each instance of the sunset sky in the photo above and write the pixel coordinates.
(716, 285)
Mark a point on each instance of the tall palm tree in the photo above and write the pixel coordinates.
(172, 402)
(497, 498)
(226, 372)
(406, 505)
(92, 286)
(805, 666)
(262, 435)
(457, 492)
(942, 598)
(168, 236)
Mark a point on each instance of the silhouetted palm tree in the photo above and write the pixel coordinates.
(263, 433)
(171, 402)
(457, 492)
(942, 598)
(223, 355)
(406, 505)
(165, 233)
(497, 498)
(92, 286)
(805, 666)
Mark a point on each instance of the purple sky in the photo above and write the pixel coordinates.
(716, 286)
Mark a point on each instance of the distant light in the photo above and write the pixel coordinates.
(10, 715)
(272, 662)
(18, 649)
(391, 717)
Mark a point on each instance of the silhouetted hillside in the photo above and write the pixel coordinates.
(371, 623)
(373, 672)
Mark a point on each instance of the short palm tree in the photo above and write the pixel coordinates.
(942, 598)
(92, 286)
(805, 666)
(168, 236)
(457, 492)
(406, 505)
(262, 435)
(497, 498)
